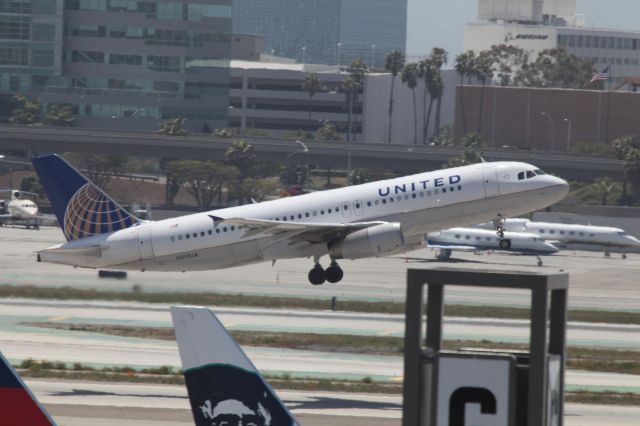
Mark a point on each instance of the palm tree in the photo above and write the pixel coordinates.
(425, 72)
(436, 91)
(483, 71)
(409, 78)
(464, 67)
(393, 62)
(350, 87)
(357, 71)
(311, 85)
(439, 58)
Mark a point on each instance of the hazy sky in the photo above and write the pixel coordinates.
(441, 22)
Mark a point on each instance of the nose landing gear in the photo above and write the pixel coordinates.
(498, 224)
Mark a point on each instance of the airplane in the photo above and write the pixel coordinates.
(224, 386)
(369, 220)
(19, 210)
(473, 239)
(19, 406)
(564, 234)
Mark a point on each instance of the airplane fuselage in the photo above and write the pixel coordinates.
(419, 204)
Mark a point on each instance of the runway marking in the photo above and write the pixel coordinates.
(58, 318)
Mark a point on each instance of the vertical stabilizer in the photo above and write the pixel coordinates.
(222, 382)
(83, 210)
(18, 406)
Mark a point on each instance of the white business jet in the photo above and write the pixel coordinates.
(370, 220)
(564, 233)
(19, 210)
(474, 239)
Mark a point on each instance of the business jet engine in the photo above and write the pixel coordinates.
(374, 241)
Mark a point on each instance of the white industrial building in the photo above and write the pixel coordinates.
(536, 25)
(270, 96)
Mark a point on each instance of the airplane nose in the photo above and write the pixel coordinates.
(558, 187)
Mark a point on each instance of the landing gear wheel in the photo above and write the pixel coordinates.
(317, 275)
(624, 255)
(498, 224)
(334, 273)
(505, 244)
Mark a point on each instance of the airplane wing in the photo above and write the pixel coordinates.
(80, 251)
(296, 231)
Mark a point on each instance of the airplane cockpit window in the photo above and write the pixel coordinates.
(530, 174)
(521, 176)
(539, 172)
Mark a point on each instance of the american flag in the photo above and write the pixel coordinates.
(603, 75)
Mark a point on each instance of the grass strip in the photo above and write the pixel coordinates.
(168, 375)
(219, 299)
(578, 357)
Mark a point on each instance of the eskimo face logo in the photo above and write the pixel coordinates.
(90, 212)
(232, 412)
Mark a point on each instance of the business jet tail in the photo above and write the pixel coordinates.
(83, 210)
(18, 405)
(223, 384)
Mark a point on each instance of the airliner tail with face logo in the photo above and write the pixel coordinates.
(18, 405)
(223, 384)
(369, 220)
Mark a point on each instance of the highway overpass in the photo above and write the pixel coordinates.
(401, 158)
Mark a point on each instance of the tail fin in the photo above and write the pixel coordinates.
(19, 406)
(82, 209)
(222, 382)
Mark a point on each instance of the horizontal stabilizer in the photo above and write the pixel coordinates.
(223, 384)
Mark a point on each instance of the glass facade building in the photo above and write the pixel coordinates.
(127, 63)
(325, 31)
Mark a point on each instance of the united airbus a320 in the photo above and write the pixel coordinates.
(369, 220)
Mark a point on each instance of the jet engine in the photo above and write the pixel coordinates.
(3, 205)
(369, 242)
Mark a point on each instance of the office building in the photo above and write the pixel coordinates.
(118, 61)
(325, 31)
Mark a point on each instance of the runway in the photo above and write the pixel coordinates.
(142, 405)
(596, 282)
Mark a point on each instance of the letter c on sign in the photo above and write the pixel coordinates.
(467, 395)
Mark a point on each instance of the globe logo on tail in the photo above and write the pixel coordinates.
(90, 212)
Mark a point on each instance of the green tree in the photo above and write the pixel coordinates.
(311, 85)
(258, 189)
(240, 154)
(27, 112)
(558, 68)
(328, 132)
(472, 154)
(426, 73)
(628, 150)
(173, 127)
(60, 115)
(204, 180)
(32, 184)
(409, 78)
(100, 169)
(464, 67)
(510, 64)
(393, 62)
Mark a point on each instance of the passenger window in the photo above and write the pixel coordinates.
(562, 232)
(542, 231)
(406, 197)
(467, 237)
(195, 235)
(299, 216)
(357, 205)
(307, 214)
(459, 187)
(444, 190)
(173, 238)
(315, 213)
(458, 236)
(552, 231)
(209, 232)
(224, 229)
(187, 236)
(322, 212)
(233, 228)
(368, 203)
(218, 231)
(337, 209)
(530, 174)
(328, 211)
(179, 237)
(202, 233)
(384, 201)
(521, 176)
(292, 218)
(391, 199)
(571, 233)
(346, 207)
(422, 194)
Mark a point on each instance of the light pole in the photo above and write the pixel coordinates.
(339, 46)
(551, 132)
(304, 55)
(566, 120)
(373, 57)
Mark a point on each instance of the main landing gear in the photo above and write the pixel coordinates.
(498, 224)
(332, 274)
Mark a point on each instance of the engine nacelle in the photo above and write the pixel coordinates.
(369, 242)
